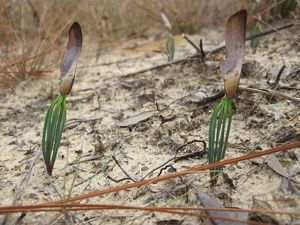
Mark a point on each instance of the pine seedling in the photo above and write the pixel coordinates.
(56, 114)
(220, 122)
(257, 29)
(170, 45)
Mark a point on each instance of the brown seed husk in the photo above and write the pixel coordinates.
(66, 84)
(70, 58)
(235, 37)
(231, 85)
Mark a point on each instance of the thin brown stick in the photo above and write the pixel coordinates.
(270, 93)
(183, 173)
(151, 209)
(116, 206)
(123, 170)
(201, 50)
(191, 43)
(172, 210)
(277, 78)
(277, 30)
(23, 60)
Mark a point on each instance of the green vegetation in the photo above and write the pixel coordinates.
(219, 129)
(53, 128)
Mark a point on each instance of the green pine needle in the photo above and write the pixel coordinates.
(219, 129)
(53, 128)
(170, 46)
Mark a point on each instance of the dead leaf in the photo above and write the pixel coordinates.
(276, 166)
(135, 119)
(259, 217)
(260, 204)
(208, 201)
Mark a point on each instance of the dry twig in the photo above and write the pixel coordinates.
(270, 93)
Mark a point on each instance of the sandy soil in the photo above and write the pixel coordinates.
(103, 96)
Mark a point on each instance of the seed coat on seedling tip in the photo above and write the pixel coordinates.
(235, 37)
(69, 61)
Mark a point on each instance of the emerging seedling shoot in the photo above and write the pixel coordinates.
(231, 67)
(170, 45)
(56, 114)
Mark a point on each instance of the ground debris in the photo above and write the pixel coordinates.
(208, 201)
(135, 119)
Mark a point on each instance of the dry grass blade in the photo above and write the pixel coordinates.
(22, 59)
(29, 38)
(235, 37)
(69, 61)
